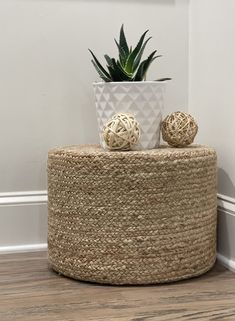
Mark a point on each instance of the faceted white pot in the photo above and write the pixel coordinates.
(143, 99)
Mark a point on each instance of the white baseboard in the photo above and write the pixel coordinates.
(228, 263)
(226, 228)
(23, 198)
(23, 221)
(226, 203)
(23, 248)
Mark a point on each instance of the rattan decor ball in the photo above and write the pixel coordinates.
(179, 129)
(121, 132)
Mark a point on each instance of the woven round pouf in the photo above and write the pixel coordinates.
(136, 217)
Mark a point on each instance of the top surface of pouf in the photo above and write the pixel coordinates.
(134, 217)
(162, 153)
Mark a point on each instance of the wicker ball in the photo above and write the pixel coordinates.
(121, 132)
(179, 129)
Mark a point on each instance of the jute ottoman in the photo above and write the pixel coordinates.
(132, 217)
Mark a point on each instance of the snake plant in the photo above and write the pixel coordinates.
(128, 67)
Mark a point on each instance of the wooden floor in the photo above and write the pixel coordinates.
(30, 291)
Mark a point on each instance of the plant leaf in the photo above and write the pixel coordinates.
(135, 52)
(163, 79)
(120, 72)
(109, 60)
(117, 73)
(122, 54)
(141, 72)
(113, 74)
(148, 62)
(99, 65)
(102, 76)
(122, 41)
(139, 56)
(129, 75)
(128, 67)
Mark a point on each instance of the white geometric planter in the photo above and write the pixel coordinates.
(143, 99)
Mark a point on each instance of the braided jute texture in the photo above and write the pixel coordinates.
(136, 217)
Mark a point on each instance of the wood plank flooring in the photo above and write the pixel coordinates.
(29, 291)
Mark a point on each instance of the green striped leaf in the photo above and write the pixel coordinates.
(133, 55)
(122, 41)
(102, 76)
(99, 64)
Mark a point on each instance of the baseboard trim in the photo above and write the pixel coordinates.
(23, 248)
(23, 198)
(228, 263)
(226, 204)
(226, 224)
(23, 221)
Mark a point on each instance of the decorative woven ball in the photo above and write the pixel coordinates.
(179, 129)
(121, 132)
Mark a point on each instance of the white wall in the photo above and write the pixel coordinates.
(46, 96)
(212, 80)
(212, 99)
